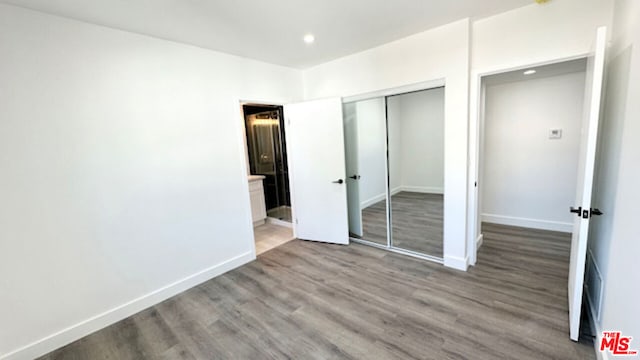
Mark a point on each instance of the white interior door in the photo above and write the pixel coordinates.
(353, 182)
(315, 151)
(583, 211)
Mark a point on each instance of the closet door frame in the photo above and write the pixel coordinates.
(427, 85)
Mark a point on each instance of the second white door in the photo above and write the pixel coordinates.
(315, 146)
(583, 210)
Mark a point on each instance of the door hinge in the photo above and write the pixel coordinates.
(296, 220)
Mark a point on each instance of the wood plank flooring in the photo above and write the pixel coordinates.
(308, 300)
(417, 222)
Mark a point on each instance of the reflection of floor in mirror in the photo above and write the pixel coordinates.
(417, 222)
(374, 223)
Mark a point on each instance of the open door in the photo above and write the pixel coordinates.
(315, 146)
(583, 210)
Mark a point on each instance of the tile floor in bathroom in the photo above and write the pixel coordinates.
(281, 213)
(269, 236)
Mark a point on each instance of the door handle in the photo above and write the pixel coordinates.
(339, 181)
(586, 213)
(355, 177)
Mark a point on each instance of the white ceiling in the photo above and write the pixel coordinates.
(561, 68)
(272, 31)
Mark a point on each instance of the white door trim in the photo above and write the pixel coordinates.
(424, 85)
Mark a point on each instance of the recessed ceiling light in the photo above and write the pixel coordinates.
(529, 72)
(309, 38)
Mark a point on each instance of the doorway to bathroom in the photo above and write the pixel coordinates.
(268, 175)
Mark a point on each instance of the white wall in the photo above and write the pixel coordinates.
(440, 53)
(537, 33)
(372, 156)
(613, 239)
(123, 175)
(530, 180)
(530, 35)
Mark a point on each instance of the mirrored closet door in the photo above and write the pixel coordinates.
(366, 160)
(416, 170)
(395, 168)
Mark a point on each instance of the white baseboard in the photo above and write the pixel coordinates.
(457, 263)
(528, 223)
(423, 189)
(88, 326)
(373, 200)
(479, 241)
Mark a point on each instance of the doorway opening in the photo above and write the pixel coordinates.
(530, 134)
(268, 176)
(537, 131)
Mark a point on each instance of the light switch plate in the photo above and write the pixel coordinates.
(555, 134)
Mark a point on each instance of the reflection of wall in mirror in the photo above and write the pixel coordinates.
(416, 141)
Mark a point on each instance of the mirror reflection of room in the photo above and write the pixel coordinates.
(416, 170)
(366, 161)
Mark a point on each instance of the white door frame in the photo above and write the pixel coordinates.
(476, 124)
(423, 85)
(247, 168)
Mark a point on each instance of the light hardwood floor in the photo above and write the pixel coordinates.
(269, 236)
(308, 300)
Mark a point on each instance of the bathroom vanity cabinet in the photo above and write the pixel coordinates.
(258, 205)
